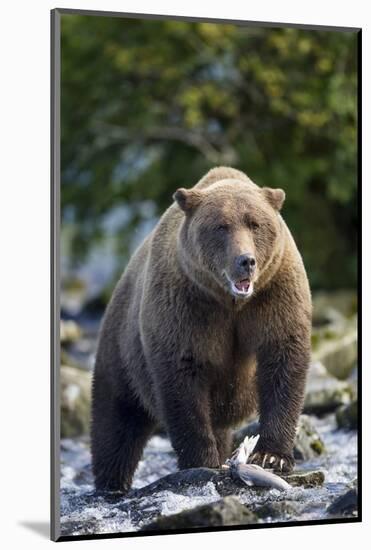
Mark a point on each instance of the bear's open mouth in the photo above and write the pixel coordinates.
(241, 287)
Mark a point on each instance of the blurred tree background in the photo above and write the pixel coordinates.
(149, 106)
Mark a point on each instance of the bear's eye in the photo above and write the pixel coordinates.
(222, 228)
(253, 225)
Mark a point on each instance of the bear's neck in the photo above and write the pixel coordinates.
(272, 267)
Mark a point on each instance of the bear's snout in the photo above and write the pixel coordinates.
(245, 264)
(241, 275)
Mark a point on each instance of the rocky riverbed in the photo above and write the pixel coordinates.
(324, 484)
(323, 479)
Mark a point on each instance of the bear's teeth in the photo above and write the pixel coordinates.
(242, 286)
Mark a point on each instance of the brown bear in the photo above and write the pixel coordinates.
(210, 321)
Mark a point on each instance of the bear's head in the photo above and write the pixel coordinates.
(230, 232)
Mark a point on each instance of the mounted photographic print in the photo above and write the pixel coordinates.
(205, 194)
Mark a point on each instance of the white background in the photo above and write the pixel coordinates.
(24, 268)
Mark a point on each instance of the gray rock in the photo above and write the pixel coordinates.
(75, 401)
(309, 479)
(181, 481)
(347, 416)
(324, 393)
(336, 349)
(345, 505)
(227, 511)
(334, 336)
(74, 293)
(69, 331)
(308, 443)
(225, 482)
(342, 302)
(278, 510)
(67, 359)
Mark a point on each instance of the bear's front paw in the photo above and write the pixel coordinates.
(208, 457)
(202, 456)
(282, 463)
(211, 459)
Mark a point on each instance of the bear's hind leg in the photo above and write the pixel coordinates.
(120, 430)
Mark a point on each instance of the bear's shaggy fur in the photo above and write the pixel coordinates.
(210, 321)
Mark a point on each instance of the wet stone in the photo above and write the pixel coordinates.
(324, 393)
(84, 511)
(75, 401)
(224, 512)
(69, 331)
(337, 349)
(276, 511)
(182, 481)
(347, 416)
(305, 479)
(346, 505)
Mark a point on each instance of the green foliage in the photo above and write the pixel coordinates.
(149, 106)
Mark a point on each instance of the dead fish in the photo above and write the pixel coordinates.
(252, 474)
(242, 453)
(255, 476)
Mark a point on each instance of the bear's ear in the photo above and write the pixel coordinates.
(275, 197)
(187, 199)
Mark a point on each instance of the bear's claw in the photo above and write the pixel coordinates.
(277, 462)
